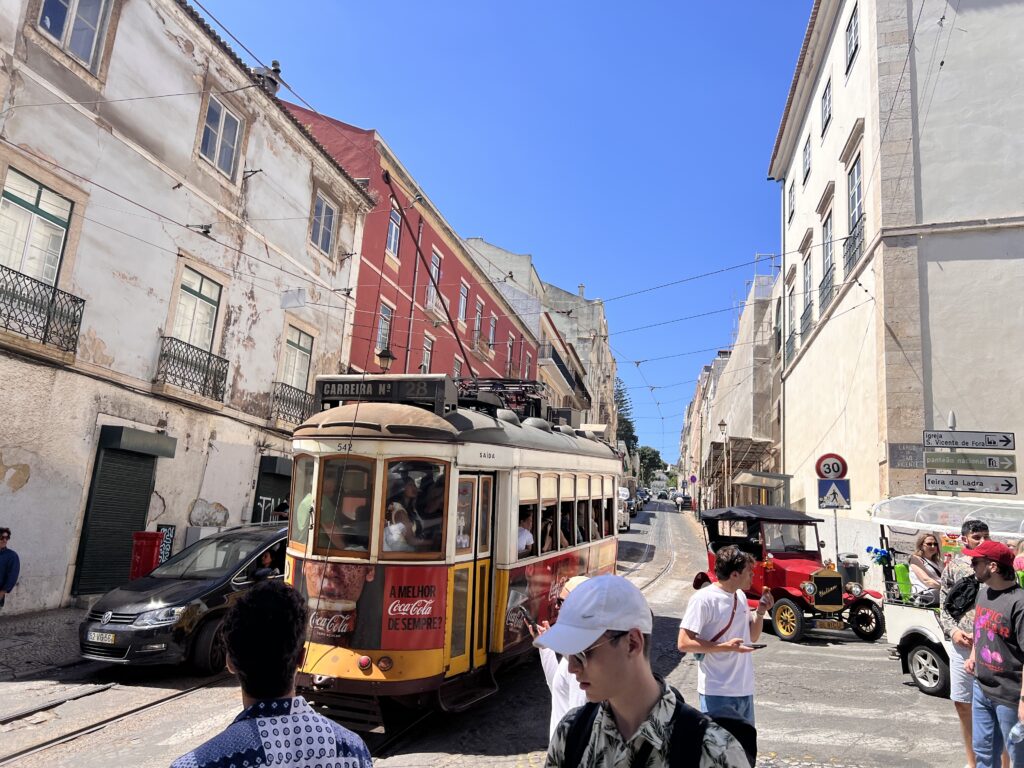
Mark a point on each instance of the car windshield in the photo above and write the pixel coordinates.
(785, 537)
(211, 558)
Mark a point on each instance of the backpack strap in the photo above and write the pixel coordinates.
(579, 734)
(686, 742)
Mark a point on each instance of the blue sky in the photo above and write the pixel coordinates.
(623, 150)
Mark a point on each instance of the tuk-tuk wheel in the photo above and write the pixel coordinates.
(867, 621)
(788, 620)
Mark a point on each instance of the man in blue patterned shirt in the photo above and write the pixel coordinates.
(264, 633)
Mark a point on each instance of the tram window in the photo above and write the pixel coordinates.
(597, 518)
(346, 495)
(414, 507)
(526, 544)
(609, 517)
(567, 524)
(302, 500)
(583, 521)
(464, 514)
(483, 543)
(551, 535)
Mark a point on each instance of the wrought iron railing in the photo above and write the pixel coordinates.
(548, 351)
(853, 247)
(826, 289)
(291, 404)
(39, 311)
(807, 319)
(790, 346)
(191, 368)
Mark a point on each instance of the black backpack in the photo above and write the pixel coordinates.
(961, 597)
(686, 743)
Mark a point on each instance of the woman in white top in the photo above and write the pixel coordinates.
(926, 569)
(565, 690)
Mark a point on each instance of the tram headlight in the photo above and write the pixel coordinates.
(364, 663)
(385, 663)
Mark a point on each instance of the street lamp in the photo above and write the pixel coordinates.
(384, 359)
(725, 461)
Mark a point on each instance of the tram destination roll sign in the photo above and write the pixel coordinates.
(436, 391)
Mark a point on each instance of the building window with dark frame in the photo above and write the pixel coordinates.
(33, 227)
(434, 280)
(457, 369)
(492, 332)
(298, 352)
(196, 316)
(384, 327)
(854, 193)
(463, 301)
(324, 216)
(511, 352)
(222, 134)
(77, 26)
(478, 321)
(852, 38)
(826, 106)
(792, 201)
(428, 354)
(807, 159)
(529, 366)
(394, 230)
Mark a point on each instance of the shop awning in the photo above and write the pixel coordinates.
(946, 514)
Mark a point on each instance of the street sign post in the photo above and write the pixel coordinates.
(833, 493)
(830, 466)
(971, 461)
(1001, 484)
(987, 441)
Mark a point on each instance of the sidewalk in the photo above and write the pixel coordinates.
(33, 643)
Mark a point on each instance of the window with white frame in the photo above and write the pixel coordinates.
(384, 327)
(435, 279)
(807, 158)
(852, 38)
(511, 352)
(826, 245)
(428, 354)
(492, 331)
(76, 26)
(324, 215)
(529, 366)
(826, 106)
(478, 321)
(854, 193)
(33, 227)
(807, 281)
(298, 351)
(792, 200)
(457, 369)
(222, 133)
(463, 301)
(196, 315)
(394, 230)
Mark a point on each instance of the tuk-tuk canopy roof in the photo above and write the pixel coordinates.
(759, 512)
(947, 514)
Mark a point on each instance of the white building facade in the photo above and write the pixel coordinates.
(176, 259)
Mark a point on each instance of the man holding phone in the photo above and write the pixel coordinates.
(719, 626)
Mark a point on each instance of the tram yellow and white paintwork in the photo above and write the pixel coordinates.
(404, 538)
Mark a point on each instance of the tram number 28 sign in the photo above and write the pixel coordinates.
(831, 466)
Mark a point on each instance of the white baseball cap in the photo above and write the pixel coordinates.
(601, 604)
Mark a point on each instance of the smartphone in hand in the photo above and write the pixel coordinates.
(755, 646)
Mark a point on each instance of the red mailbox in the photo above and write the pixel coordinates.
(145, 552)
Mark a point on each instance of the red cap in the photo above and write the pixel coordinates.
(992, 550)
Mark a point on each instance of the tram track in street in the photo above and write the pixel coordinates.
(99, 725)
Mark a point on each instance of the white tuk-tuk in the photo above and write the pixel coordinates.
(912, 628)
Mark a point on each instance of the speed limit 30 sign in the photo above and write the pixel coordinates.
(831, 466)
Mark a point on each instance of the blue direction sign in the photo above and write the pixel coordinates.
(834, 494)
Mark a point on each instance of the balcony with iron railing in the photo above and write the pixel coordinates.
(853, 247)
(826, 290)
(38, 311)
(548, 352)
(290, 404)
(790, 346)
(807, 319)
(191, 368)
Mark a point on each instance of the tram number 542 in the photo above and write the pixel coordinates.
(344, 447)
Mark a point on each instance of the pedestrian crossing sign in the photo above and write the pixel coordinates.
(834, 494)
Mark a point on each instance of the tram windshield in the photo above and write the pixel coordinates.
(346, 499)
(414, 508)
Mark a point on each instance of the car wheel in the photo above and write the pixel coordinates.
(867, 621)
(208, 654)
(788, 620)
(928, 670)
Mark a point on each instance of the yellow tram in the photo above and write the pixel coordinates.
(428, 525)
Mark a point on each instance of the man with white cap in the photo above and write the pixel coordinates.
(631, 718)
(566, 693)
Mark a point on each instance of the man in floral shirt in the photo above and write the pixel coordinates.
(264, 633)
(604, 628)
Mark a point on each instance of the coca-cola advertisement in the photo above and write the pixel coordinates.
(533, 589)
(414, 607)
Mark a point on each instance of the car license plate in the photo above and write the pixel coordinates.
(828, 624)
(102, 637)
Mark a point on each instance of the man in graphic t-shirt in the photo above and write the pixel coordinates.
(718, 624)
(998, 655)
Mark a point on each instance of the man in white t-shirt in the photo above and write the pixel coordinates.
(524, 539)
(719, 627)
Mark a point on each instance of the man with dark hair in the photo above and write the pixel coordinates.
(959, 634)
(631, 718)
(719, 627)
(997, 658)
(263, 634)
(10, 565)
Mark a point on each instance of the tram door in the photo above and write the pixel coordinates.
(471, 577)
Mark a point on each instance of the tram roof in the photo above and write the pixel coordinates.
(392, 421)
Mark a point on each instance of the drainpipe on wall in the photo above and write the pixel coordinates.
(785, 308)
(412, 300)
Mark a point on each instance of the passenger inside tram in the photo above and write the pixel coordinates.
(344, 515)
(524, 542)
(398, 533)
(582, 522)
